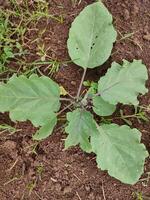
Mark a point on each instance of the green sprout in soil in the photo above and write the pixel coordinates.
(39, 171)
(40, 9)
(76, 2)
(140, 196)
(31, 186)
(7, 128)
(38, 98)
(16, 23)
(7, 44)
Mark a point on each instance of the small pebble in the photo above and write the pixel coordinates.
(58, 187)
(91, 196)
(126, 14)
(73, 83)
(146, 37)
(87, 188)
(67, 190)
(135, 10)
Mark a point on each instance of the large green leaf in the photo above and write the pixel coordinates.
(81, 126)
(101, 107)
(91, 36)
(123, 83)
(47, 129)
(33, 99)
(119, 151)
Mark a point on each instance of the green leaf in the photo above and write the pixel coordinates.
(101, 107)
(63, 91)
(123, 83)
(91, 36)
(81, 126)
(119, 151)
(47, 129)
(8, 52)
(33, 98)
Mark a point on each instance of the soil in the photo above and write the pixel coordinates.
(33, 171)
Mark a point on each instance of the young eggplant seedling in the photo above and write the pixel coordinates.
(117, 148)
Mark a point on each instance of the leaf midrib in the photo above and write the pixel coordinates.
(91, 40)
(34, 98)
(112, 144)
(130, 79)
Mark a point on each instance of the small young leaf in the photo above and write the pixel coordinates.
(87, 83)
(33, 98)
(81, 126)
(119, 151)
(8, 52)
(89, 94)
(101, 107)
(47, 129)
(122, 84)
(63, 92)
(91, 36)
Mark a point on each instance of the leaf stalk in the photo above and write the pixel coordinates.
(81, 83)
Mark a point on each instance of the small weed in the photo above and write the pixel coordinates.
(75, 2)
(146, 108)
(54, 67)
(40, 9)
(39, 171)
(33, 148)
(128, 36)
(31, 186)
(50, 66)
(138, 196)
(42, 52)
(9, 48)
(125, 36)
(145, 181)
(7, 128)
(15, 24)
(15, 178)
(6, 44)
(139, 114)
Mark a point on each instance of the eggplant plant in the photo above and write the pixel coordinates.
(38, 99)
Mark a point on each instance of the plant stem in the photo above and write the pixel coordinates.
(126, 116)
(80, 86)
(72, 97)
(65, 99)
(65, 108)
